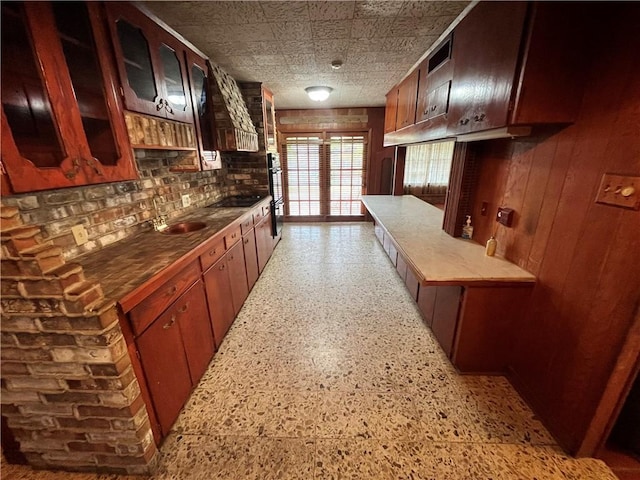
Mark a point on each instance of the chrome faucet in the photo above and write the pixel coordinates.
(159, 222)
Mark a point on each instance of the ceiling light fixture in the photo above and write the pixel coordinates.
(318, 94)
(336, 64)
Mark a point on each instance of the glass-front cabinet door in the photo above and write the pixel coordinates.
(150, 64)
(62, 122)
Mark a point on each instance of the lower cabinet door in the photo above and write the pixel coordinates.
(264, 242)
(166, 367)
(195, 328)
(250, 257)
(237, 277)
(445, 316)
(218, 287)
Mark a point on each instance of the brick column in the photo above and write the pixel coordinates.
(68, 389)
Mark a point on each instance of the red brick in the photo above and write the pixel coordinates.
(115, 383)
(19, 324)
(110, 369)
(73, 397)
(29, 268)
(47, 409)
(59, 434)
(9, 410)
(106, 338)
(91, 447)
(23, 354)
(13, 368)
(110, 412)
(34, 305)
(35, 423)
(65, 370)
(41, 288)
(8, 339)
(44, 339)
(86, 424)
(9, 268)
(10, 288)
(36, 384)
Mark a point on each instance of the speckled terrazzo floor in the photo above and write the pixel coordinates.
(329, 373)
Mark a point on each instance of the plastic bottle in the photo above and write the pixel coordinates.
(490, 250)
(467, 229)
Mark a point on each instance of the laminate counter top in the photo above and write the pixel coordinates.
(124, 267)
(436, 257)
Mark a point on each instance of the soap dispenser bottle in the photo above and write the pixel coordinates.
(467, 229)
(492, 243)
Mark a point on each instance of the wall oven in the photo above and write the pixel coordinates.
(275, 190)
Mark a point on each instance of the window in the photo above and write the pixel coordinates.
(427, 167)
(324, 174)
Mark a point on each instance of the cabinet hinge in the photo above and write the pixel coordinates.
(121, 92)
(138, 354)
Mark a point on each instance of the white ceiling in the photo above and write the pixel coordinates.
(289, 45)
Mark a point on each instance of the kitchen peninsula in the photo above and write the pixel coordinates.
(470, 301)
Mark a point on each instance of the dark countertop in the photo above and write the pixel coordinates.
(127, 265)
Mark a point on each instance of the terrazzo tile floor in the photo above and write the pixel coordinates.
(330, 373)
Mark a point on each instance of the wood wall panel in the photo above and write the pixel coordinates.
(586, 255)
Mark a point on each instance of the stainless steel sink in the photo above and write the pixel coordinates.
(184, 227)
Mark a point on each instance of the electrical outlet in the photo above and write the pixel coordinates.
(80, 234)
(186, 200)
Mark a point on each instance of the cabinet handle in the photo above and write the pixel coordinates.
(70, 174)
(93, 163)
(221, 267)
(246, 240)
(479, 118)
(433, 109)
(160, 105)
(168, 107)
(212, 252)
(184, 308)
(464, 121)
(172, 291)
(170, 323)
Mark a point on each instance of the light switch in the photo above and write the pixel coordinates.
(620, 191)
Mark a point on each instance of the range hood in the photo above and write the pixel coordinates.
(234, 129)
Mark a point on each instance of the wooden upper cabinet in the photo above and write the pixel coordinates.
(269, 114)
(199, 78)
(486, 47)
(407, 97)
(151, 65)
(62, 122)
(391, 111)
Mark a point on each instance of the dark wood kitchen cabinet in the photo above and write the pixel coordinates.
(237, 276)
(62, 121)
(486, 49)
(199, 78)
(250, 257)
(219, 299)
(151, 64)
(407, 97)
(175, 350)
(264, 241)
(391, 110)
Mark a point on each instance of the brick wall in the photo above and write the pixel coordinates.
(246, 172)
(69, 393)
(114, 211)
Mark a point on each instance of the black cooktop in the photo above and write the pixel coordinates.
(241, 201)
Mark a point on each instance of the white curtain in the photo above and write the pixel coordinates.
(427, 167)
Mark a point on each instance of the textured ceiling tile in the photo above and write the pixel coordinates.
(330, 48)
(430, 9)
(377, 8)
(331, 29)
(405, 26)
(371, 28)
(291, 30)
(331, 10)
(404, 45)
(243, 12)
(265, 60)
(301, 59)
(289, 11)
(295, 47)
(366, 45)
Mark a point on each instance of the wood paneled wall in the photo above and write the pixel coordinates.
(586, 255)
(379, 170)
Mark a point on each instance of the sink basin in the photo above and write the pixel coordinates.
(183, 227)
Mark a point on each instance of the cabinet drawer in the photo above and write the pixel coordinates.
(258, 215)
(232, 237)
(152, 306)
(215, 251)
(246, 225)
